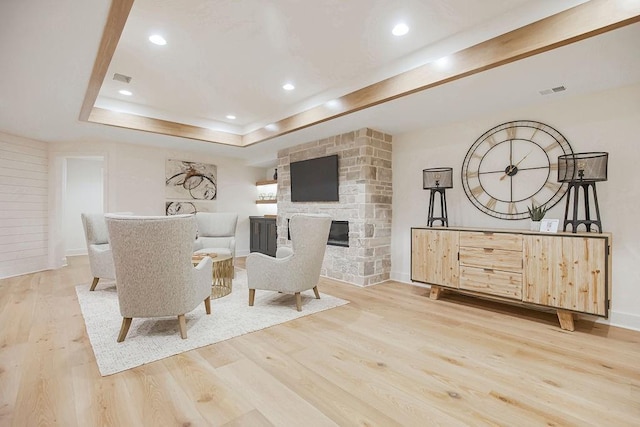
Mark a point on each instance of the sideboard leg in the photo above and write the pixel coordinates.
(436, 291)
(566, 320)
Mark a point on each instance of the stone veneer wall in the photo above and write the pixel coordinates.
(364, 161)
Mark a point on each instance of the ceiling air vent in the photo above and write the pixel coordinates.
(121, 78)
(552, 90)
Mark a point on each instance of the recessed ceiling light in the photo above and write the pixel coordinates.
(288, 86)
(333, 104)
(400, 29)
(231, 117)
(272, 127)
(157, 39)
(125, 92)
(443, 62)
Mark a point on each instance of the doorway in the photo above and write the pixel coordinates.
(79, 185)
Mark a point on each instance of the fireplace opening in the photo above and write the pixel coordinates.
(338, 233)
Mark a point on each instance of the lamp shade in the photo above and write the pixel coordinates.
(579, 167)
(437, 178)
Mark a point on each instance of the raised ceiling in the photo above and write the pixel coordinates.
(329, 49)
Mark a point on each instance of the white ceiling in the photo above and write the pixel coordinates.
(232, 57)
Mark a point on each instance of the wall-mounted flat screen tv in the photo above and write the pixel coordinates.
(315, 180)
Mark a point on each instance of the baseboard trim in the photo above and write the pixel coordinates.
(401, 277)
(616, 318)
(77, 252)
(622, 320)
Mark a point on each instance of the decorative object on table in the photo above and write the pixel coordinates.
(549, 225)
(508, 168)
(536, 213)
(275, 174)
(582, 171)
(437, 180)
(190, 180)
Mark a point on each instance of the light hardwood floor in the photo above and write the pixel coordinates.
(390, 357)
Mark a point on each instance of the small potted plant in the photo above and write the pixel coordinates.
(536, 213)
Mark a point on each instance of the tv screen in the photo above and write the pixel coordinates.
(315, 180)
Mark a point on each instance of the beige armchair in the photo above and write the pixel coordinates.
(216, 233)
(98, 249)
(293, 270)
(152, 259)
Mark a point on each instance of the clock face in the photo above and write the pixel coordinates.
(513, 166)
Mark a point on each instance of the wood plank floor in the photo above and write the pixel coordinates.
(392, 357)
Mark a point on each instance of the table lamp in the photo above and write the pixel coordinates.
(582, 171)
(437, 180)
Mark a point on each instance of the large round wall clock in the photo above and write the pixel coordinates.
(512, 166)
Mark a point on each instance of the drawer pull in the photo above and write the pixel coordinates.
(488, 249)
(488, 270)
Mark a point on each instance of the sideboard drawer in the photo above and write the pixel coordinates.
(490, 240)
(501, 283)
(492, 258)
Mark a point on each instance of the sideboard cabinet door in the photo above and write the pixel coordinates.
(434, 257)
(566, 272)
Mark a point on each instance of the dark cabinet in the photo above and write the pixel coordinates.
(263, 235)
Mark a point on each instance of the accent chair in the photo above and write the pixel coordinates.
(294, 269)
(98, 249)
(216, 233)
(152, 259)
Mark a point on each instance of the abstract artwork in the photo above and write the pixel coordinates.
(179, 208)
(190, 180)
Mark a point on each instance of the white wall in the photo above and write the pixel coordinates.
(608, 121)
(84, 193)
(23, 205)
(135, 177)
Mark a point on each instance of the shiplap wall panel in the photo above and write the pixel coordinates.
(24, 182)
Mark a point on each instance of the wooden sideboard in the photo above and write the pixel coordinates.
(568, 272)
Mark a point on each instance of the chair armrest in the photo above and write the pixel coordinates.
(265, 272)
(202, 273)
(283, 252)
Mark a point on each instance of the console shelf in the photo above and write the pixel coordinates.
(263, 183)
(568, 272)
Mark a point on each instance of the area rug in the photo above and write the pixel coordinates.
(149, 340)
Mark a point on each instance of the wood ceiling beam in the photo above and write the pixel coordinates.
(164, 127)
(117, 18)
(578, 23)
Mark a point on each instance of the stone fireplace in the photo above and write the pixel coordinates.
(364, 160)
(338, 234)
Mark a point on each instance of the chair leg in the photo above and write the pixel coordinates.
(183, 326)
(252, 296)
(207, 305)
(94, 283)
(315, 291)
(126, 323)
(298, 301)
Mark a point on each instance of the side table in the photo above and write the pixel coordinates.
(222, 273)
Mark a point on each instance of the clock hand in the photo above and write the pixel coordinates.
(512, 167)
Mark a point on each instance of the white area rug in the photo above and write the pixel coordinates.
(149, 340)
